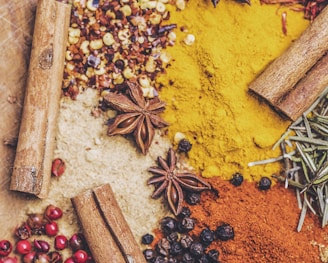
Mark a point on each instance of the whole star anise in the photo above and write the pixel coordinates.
(136, 115)
(167, 178)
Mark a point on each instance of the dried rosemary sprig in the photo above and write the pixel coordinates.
(306, 167)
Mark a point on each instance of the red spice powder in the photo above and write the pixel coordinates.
(264, 223)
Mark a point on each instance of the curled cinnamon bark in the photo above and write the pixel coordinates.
(105, 228)
(36, 142)
(279, 79)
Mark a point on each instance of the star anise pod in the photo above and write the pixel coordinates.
(136, 115)
(167, 178)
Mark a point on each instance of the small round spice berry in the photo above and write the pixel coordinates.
(187, 258)
(51, 229)
(224, 232)
(147, 239)
(265, 183)
(206, 237)
(23, 247)
(184, 146)
(187, 224)
(42, 258)
(58, 167)
(176, 248)
(53, 212)
(193, 198)
(77, 242)
(186, 241)
(36, 221)
(213, 255)
(8, 260)
(237, 179)
(5, 248)
(69, 260)
(159, 259)
(149, 254)
(172, 237)
(41, 246)
(61, 242)
(168, 225)
(172, 260)
(80, 256)
(196, 249)
(185, 212)
(163, 247)
(55, 257)
(119, 64)
(30, 257)
(23, 231)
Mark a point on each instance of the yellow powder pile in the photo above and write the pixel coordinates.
(206, 87)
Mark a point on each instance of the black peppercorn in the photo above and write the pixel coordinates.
(265, 183)
(196, 249)
(184, 146)
(147, 239)
(206, 237)
(185, 225)
(185, 212)
(149, 254)
(224, 232)
(203, 259)
(159, 259)
(186, 241)
(237, 179)
(168, 225)
(213, 256)
(193, 198)
(172, 260)
(187, 258)
(176, 248)
(172, 237)
(163, 247)
(119, 64)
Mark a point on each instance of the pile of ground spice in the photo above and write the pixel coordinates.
(206, 86)
(264, 224)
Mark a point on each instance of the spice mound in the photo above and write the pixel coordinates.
(259, 234)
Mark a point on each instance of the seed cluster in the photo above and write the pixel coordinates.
(116, 41)
(33, 248)
(177, 245)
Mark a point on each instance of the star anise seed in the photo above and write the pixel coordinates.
(136, 115)
(167, 178)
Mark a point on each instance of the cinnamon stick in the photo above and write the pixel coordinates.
(280, 77)
(36, 142)
(105, 228)
(306, 91)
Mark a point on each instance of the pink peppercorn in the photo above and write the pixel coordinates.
(23, 247)
(61, 242)
(80, 256)
(51, 229)
(69, 260)
(53, 212)
(5, 248)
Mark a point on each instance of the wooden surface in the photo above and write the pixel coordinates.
(36, 142)
(16, 20)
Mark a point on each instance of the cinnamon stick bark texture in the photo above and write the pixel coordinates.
(280, 77)
(306, 91)
(36, 142)
(105, 228)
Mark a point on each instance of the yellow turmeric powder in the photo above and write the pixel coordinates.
(207, 84)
